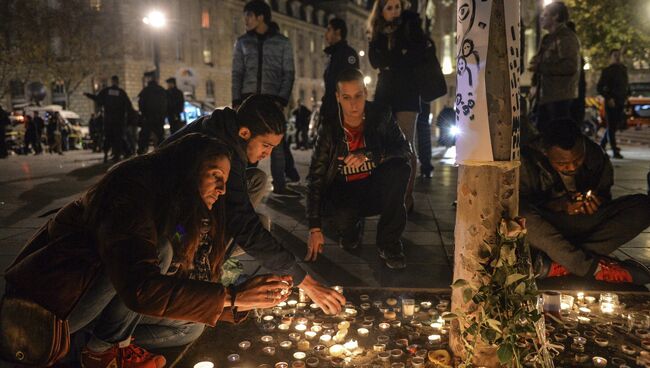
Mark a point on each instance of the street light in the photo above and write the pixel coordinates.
(367, 80)
(156, 20)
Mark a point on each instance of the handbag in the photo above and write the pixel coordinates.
(431, 81)
(30, 334)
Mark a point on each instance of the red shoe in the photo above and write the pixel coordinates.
(557, 270)
(610, 271)
(131, 356)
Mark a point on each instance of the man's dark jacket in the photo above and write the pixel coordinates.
(175, 103)
(384, 141)
(116, 105)
(340, 57)
(540, 183)
(613, 83)
(243, 223)
(153, 103)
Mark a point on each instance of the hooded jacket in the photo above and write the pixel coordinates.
(262, 64)
(383, 141)
(243, 223)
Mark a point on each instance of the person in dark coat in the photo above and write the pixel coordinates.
(302, 115)
(251, 132)
(116, 104)
(397, 44)
(140, 253)
(613, 86)
(175, 106)
(4, 122)
(340, 56)
(152, 103)
(33, 132)
(360, 168)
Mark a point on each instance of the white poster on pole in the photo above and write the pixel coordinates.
(513, 43)
(473, 142)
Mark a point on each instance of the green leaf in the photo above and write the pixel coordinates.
(449, 316)
(505, 353)
(494, 324)
(460, 283)
(468, 294)
(521, 288)
(511, 279)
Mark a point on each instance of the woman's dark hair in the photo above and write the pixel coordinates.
(176, 171)
(338, 24)
(261, 115)
(563, 133)
(376, 22)
(560, 9)
(259, 7)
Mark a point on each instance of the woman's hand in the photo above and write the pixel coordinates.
(330, 301)
(264, 291)
(314, 244)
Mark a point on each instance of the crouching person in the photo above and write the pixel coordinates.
(566, 198)
(139, 255)
(360, 167)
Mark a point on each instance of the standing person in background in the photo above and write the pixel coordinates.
(340, 56)
(175, 106)
(115, 103)
(613, 86)
(33, 132)
(423, 127)
(578, 105)
(153, 107)
(302, 114)
(4, 122)
(263, 64)
(556, 66)
(397, 44)
(54, 126)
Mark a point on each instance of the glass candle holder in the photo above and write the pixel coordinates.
(299, 355)
(599, 362)
(363, 332)
(566, 302)
(310, 335)
(267, 339)
(244, 345)
(303, 345)
(268, 350)
(286, 345)
(408, 307)
(204, 364)
(384, 326)
(233, 358)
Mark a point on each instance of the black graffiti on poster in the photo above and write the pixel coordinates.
(467, 60)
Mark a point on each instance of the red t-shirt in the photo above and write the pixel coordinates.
(356, 141)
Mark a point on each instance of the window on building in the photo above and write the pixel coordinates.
(58, 88)
(314, 70)
(180, 46)
(209, 88)
(312, 44)
(17, 89)
(207, 52)
(205, 19)
(96, 5)
(301, 43)
(301, 67)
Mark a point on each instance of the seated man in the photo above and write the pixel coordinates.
(571, 217)
(360, 167)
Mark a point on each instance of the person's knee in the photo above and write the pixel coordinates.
(190, 332)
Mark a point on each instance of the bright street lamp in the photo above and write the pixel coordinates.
(155, 19)
(367, 80)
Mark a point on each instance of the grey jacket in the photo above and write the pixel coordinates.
(559, 66)
(262, 64)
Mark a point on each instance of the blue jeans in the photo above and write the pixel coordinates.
(101, 312)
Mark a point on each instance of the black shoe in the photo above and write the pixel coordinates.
(285, 192)
(353, 244)
(394, 262)
(617, 155)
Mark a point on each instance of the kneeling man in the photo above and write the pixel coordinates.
(360, 168)
(566, 198)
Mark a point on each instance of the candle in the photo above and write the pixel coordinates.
(281, 365)
(204, 364)
(326, 339)
(581, 295)
(436, 325)
(337, 350)
(268, 350)
(391, 302)
(338, 289)
(396, 354)
(312, 362)
(397, 365)
(316, 329)
(584, 320)
(268, 326)
(303, 345)
(297, 364)
(302, 321)
(601, 342)
(390, 315)
(382, 339)
(590, 299)
(233, 358)
(292, 303)
(367, 324)
(365, 306)
(299, 355)
(313, 306)
(351, 345)
(266, 339)
(244, 345)
(363, 332)
(434, 339)
(629, 350)
(377, 303)
(584, 310)
(607, 308)
(294, 336)
(286, 345)
(384, 326)
(284, 326)
(378, 347)
(310, 335)
(384, 356)
(343, 325)
(417, 362)
(364, 297)
(396, 323)
(408, 307)
(401, 343)
(268, 318)
(301, 327)
(282, 304)
(350, 312)
(599, 362)
(425, 304)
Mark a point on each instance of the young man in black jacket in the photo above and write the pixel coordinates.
(251, 133)
(360, 167)
(340, 56)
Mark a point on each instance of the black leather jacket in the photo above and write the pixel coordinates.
(384, 141)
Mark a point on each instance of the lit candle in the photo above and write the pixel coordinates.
(584, 320)
(434, 339)
(351, 345)
(281, 365)
(266, 339)
(204, 364)
(350, 312)
(365, 306)
(292, 303)
(581, 295)
(343, 325)
(378, 347)
(408, 307)
(303, 345)
(584, 310)
(302, 321)
(316, 329)
(282, 304)
(313, 306)
(599, 362)
(363, 332)
(337, 350)
(384, 326)
(590, 299)
(301, 327)
(268, 350)
(268, 318)
(294, 336)
(299, 355)
(607, 308)
(310, 335)
(436, 325)
(233, 358)
(391, 302)
(286, 345)
(338, 289)
(284, 326)
(244, 345)
(425, 304)
(326, 339)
